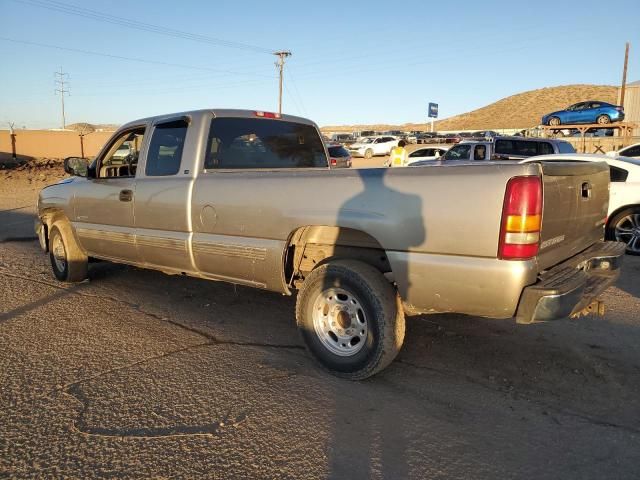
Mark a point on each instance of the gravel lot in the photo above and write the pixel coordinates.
(138, 374)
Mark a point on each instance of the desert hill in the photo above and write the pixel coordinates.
(522, 110)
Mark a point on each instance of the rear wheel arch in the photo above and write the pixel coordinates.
(617, 212)
(310, 246)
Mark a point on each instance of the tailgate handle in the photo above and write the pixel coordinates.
(586, 190)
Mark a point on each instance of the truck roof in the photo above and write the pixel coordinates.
(217, 112)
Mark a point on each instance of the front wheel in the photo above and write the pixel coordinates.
(625, 227)
(554, 121)
(350, 318)
(603, 120)
(368, 153)
(68, 261)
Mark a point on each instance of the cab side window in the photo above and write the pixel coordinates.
(505, 147)
(121, 159)
(545, 148)
(480, 152)
(165, 149)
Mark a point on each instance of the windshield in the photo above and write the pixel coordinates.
(366, 140)
(458, 152)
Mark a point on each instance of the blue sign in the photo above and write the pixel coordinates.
(433, 110)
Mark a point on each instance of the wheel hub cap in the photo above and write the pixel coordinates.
(59, 255)
(627, 230)
(339, 322)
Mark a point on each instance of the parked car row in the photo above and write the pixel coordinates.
(415, 136)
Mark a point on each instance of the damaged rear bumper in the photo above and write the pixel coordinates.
(570, 287)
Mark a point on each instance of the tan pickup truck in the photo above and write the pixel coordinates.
(247, 197)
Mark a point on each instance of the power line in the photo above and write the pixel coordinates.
(133, 59)
(148, 27)
(297, 92)
(60, 81)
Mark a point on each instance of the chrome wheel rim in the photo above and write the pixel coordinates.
(603, 120)
(59, 254)
(340, 322)
(554, 122)
(627, 230)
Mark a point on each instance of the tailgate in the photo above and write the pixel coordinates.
(576, 198)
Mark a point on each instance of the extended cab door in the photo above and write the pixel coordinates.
(162, 196)
(236, 236)
(103, 205)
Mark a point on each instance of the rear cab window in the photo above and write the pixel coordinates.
(338, 151)
(260, 143)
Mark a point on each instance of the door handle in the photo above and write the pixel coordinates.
(126, 195)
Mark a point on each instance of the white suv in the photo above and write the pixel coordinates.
(367, 147)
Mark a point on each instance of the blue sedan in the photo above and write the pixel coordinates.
(601, 113)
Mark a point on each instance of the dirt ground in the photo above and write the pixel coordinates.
(137, 374)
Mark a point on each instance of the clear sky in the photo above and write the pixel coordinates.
(353, 62)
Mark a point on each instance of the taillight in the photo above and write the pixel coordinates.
(334, 161)
(267, 114)
(521, 219)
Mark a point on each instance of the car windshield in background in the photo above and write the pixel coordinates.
(338, 151)
(459, 152)
(263, 143)
(366, 140)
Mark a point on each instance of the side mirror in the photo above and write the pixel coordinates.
(76, 166)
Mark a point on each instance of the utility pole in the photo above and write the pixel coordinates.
(61, 81)
(624, 75)
(282, 54)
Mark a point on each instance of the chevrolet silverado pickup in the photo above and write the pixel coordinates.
(248, 197)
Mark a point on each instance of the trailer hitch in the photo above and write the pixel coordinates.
(595, 307)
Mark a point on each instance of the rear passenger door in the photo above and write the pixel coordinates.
(162, 196)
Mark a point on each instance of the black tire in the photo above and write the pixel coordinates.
(554, 122)
(68, 262)
(368, 153)
(381, 307)
(621, 219)
(603, 120)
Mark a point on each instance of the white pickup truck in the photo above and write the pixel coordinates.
(248, 197)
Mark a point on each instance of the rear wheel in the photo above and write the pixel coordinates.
(625, 227)
(368, 153)
(603, 119)
(68, 262)
(350, 318)
(554, 121)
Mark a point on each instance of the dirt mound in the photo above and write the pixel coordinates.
(35, 170)
(522, 110)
